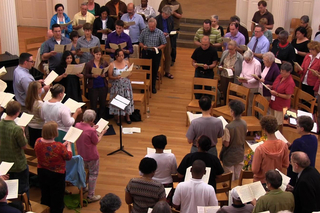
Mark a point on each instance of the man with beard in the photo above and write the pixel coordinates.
(214, 35)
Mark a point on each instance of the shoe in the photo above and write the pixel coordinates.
(128, 121)
(93, 198)
(168, 75)
(85, 190)
(172, 63)
(154, 90)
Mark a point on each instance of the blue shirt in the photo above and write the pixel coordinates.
(115, 39)
(55, 60)
(84, 43)
(262, 45)
(54, 20)
(165, 25)
(134, 30)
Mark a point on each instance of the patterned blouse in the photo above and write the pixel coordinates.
(52, 156)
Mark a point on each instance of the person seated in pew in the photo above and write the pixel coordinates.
(144, 192)
(194, 192)
(4, 207)
(52, 157)
(110, 203)
(233, 141)
(275, 200)
(212, 161)
(167, 163)
(237, 206)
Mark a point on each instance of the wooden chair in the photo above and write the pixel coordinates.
(293, 97)
(193, 106)
(295, 22)
(245, 175)
(140, 99)
(32, 160)
(31, 205)
(297, 80)
(235, 92)
(106, 58)
(32, 44)
(130, 207)
(223, 187)
(303, 98)
(84, 92)
(260, 106)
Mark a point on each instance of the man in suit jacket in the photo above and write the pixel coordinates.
(307, 189)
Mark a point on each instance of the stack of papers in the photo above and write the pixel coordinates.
(102, 124)
(131, 130)
(285, 181)
(73, 105)
(24, 119)
(5, 98)
(207, 209)
(152, 150)
(5, 167)
(250, 191)
(73, 134)
(120, 102)
(205, 177)
(50, 78)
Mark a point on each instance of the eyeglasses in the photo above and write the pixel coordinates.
(31, 61)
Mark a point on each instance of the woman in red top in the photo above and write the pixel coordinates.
(311, 61)
(52, 158)
(281, 91)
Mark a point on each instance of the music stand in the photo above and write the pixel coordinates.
(121, 103)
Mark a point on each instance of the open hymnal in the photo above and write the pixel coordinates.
(229, 71)
(3, 86)
(265, 86)
(174, 7)
(242, 78)
(167, 191)
(250, 191)
(192, 116)
(120, 102)
(127, 72)
(293, 121)
(50, 78)
(60, 48)
(314, 72)
(255, 77)
(143, 16)
(73, 134)
(280, 136)
(3, 71)
(255, 23)
(299, 68)
(82, 22)
(295, 50)
(5, 98)
(254, 145)
(285, 181)
(73, 105)
(24, 119)
(5, 167)
(102, 124)
(96, 71)
(48, 96)
(277, 60)
(118, 46)
(149, 210)
(199, 64)
(291, 114)
(128, 24)
(226, 39)
(173, 32)
(131, 130)
(207, 209)
(205, 177)
(106, 30)
(153, 48)
(152, 150)
(87, 49)
(74, 69)
(12, 188)
(224, 122)
(66, 24)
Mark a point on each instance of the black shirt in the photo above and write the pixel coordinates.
(207, 56)
(4, 207)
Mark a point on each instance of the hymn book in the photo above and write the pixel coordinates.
(229, 71)
(242, 78)
(24, 119)
(265, 86)
(73, 105)
(297, 66)
(278, 61)
(255, 23)
(250, 191)
(153, 48)
(118, 46)
(60, 48)
(3, 86)
(82, 22)
(127, 72)
(174, 7)
(253, 146)
(192, 116)
(255, 77)
(280, 136)
(5, 167)
(74, 69)
(173, 32)
(73, 134)
(102, 124)
(314, 72)
(5, 98)
(3, 71)
(87, 49)
(226, 39)
(199, 64)
(285, 181)
(120, 102)
(50, 78)
(224, 122)
(12, 188)
(143, 16)
(205, 177)
(207, 209)
(128, 24)
(66, 24)
(152, 151)
(244, 47)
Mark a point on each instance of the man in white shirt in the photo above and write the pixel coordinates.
(146, 10)
(188, 195)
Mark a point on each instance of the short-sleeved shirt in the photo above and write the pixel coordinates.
(239, 38)
(11, 142)
(215, 35)
(286, 87)
(263, 45)
(84, 43)
(87, 142)
(176, 21)
(134, 30)
(152, 38)
(55, 60)
(210, 160)
(78, 16)
(145, 193)
(257, 16)
(21, 80)
(209, 126)
(207, 56)
(118, 39)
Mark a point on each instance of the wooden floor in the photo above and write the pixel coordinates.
(167, 116)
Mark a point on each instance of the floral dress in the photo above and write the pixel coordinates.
(123, 88)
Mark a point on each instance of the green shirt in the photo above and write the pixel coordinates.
(274, 201)
(12, 140)
(215, 35)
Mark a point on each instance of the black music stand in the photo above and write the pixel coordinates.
(121, 106)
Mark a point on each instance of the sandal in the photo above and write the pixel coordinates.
(168, 75)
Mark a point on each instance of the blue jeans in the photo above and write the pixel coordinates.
(23, 178)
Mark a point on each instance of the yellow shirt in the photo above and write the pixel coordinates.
(78, 16)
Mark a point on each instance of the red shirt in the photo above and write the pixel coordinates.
(52, 156)
(87, 142)
(285, 87)
(315, 65)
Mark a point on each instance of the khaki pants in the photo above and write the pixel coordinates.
(167, 56)
(235, 169)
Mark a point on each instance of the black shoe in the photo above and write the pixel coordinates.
(128, 122)
(154, 90)
(172, 63)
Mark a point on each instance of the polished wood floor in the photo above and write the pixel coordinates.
(167, 116)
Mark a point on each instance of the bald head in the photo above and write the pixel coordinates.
(130, 9)
(198, 169)
(301, 159)
(205, 42)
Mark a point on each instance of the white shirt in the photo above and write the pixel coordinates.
(167, 165)
(194, 193)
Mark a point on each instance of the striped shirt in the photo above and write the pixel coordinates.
(215, 35)
(152, 38)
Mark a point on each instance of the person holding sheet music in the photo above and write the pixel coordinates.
(61, 18)
(33, 106)
(87, 149)
(103, 25)
(120, 86)
(145, 10)
(4, 206)
(97, 84)
(52, 157)
(71, 83)
(272, 154)
(300, 43)
(54, 110)
(81, 18)
(87, 41)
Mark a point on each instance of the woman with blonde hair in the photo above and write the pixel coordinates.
(33, 105)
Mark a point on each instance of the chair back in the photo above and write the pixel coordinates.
(297, 80)
(224, 178)
(142, 62)
(106, 58)
(293, 97)
(303, 98)
(245, 175)
(237, 92)
(205, 82)
(260, 101)
(32, 44)
(138, 80)
(295, 22)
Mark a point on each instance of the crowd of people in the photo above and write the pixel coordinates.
(252, 61)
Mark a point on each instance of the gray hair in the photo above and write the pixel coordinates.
(248, 54)
(270, 56)
(300, 158)
(216, 17)
(233, 42)
(89, 115)
(84, 4)
(286, 66)
(305, 19)
(284, 33)
(152, 20)
(167, 10)
(110, 203)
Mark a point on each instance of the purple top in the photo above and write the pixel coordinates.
(239, 38)
(270, 77)
(87, 142)
(114, 38)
